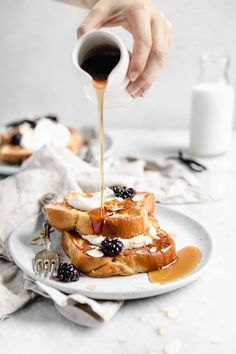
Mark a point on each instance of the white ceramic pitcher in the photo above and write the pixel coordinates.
(117, 81)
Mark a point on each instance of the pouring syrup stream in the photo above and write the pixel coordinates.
(100, 86)
(99, 62)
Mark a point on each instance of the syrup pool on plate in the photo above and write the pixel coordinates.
(187, 260)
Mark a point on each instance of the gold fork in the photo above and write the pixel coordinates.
(46, 262)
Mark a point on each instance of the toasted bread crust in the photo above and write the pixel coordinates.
(63, 217)
(15, 154)
(120, 224)
(128, 262)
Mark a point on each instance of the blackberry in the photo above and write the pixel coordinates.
(68, 272)
(32, 123)
(123, 192)
(16, 139)
(19, 122)
(51, 117)
(111, 246)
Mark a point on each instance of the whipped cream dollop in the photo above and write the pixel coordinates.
(83, 203)
(129, 243)
(45, 132)
(88, 203)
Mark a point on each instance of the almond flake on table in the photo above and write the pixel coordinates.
(170, 311)
(173, 346)
(160, 330)
(145, 318)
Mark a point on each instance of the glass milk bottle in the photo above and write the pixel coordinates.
(212, 108)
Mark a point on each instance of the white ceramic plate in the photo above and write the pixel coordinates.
(189, 233)
(8, 169)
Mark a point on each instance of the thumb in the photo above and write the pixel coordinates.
(95, 20)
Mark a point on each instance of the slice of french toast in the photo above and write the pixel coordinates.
(161, 252)
(13, 154)
(122, 218)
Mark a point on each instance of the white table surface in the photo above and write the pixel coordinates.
(207, 308)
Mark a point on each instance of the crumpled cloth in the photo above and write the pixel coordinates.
(59, 171)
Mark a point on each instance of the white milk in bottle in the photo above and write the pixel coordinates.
(212, 108)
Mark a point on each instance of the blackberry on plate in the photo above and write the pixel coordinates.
(123, 192)
(16, 139)
(111, 246)
(68, 272)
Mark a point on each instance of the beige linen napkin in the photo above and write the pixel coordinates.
(59, 171)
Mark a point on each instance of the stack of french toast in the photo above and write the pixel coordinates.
(123, 238)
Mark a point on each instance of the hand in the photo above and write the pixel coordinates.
(151, 32)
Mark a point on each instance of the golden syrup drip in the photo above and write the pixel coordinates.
(100, 86)
(187, 260)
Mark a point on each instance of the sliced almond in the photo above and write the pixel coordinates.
(138, 197)
(145, 318)
(153, 249)
(160, 331)
(91, 287)
(96, 253)
(170, 311)
(141, 239)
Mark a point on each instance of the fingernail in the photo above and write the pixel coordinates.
(133, 75)
(133, 89)
(142, 94)
(139, 93)
(81, 30)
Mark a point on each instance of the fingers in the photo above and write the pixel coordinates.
(139, 23)
(95, 19)
(161, 37)
(151, 32)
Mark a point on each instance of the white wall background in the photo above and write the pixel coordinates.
(37, 75)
